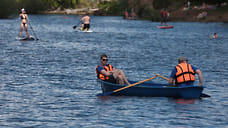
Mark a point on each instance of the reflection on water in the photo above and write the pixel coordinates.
(185, 101)
(52, 82)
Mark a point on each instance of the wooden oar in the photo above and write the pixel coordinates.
(117, 90)
(162, 77)
(201, 95)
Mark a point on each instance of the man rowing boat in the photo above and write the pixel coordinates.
(184, 74)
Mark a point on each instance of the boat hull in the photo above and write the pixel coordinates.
(153, 90)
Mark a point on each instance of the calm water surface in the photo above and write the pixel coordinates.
(52, 82)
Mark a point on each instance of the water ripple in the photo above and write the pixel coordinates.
(52, 82)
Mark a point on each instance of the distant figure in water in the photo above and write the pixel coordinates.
(81, 28)
(24, 18)
(65, 16)
(163, 17)
(214, 36)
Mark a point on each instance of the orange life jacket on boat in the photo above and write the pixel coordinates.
(106, 68)
(184, 73)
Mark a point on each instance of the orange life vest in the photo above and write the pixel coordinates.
(106, 68)
(184, 73)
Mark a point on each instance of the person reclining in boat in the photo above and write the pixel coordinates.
(107, 73)
(184, 74)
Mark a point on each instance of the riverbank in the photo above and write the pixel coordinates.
(199, 15)
(79, 11)
(51, 82)
(180, 15)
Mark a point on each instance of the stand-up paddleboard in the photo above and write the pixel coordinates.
(88, 31)
(30, 38)
(165, 27)
(84, 31)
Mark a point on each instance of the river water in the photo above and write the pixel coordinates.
(51, 82)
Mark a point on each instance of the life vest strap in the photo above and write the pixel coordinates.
(185, 73)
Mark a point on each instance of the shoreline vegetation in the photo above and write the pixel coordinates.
(181, 11)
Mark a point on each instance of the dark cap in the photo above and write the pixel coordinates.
(181, 59)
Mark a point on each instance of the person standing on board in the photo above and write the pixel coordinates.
(107, 73)
(163, 17)
(86, 21)
(24, 18)
(184, 74)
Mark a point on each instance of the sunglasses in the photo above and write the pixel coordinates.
(105, 59)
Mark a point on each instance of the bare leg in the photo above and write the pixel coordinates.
(26, 29)
(21, 29)
(120, 76)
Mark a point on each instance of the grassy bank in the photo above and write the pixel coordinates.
(214, 11)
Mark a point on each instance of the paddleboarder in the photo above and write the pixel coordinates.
(24, 20)
(163, 17)
(86, 21)
(107, 73)
(184, 74)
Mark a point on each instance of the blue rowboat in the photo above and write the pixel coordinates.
(149, 89)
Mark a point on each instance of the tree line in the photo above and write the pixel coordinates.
(142, 8)
(8, 8)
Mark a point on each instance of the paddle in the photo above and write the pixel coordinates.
(201, 95)
(108, 93)
(75, 26)
(33, 31)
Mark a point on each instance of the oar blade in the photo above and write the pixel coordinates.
(104, 94)
(203, 95)
(74, 27)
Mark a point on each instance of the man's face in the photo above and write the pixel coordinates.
(104, 60)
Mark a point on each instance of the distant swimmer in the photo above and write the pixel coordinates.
(24, 20)
(86, 22)
(214, 36)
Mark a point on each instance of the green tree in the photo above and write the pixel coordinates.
(33, 6)
(7, 8)
(159, 4)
